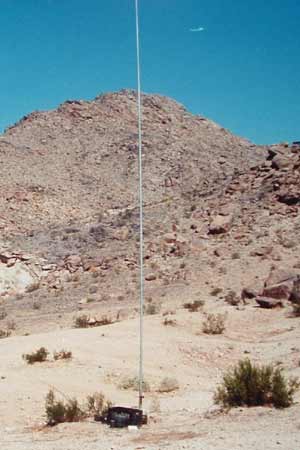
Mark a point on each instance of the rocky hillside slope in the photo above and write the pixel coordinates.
(81, 159)
(219, 211)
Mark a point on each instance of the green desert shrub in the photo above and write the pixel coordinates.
(251, 385)
(69, 410)
(59, 411)
(55, 410)
(97, 404)
(39, 355)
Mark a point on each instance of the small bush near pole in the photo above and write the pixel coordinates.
(70, 410)
(59, 411)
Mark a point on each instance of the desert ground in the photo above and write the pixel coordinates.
(221, 228)
(184, 419)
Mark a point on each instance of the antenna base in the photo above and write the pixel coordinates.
(121, 417)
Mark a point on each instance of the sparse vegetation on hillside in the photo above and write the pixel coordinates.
(3, 314)
(216, 291)
(231, 298)
(169, 321)
(214, 324)
(4, 333)
(251, 385)
(39, 355)
(81, 321)
(62, 354)
(151, 307)
(194, 306)
(84, 321)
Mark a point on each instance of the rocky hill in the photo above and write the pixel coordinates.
(81, 159)
(69, 203)
(222, 266)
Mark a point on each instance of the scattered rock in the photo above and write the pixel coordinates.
(170, 238)
(289, 197)
(84, 301)
(73, 262)
(280, 162)
(32, 287)
(122, 234)
(220, 224)
(249, 293)
(262, 251)
(92, 321)
(269, 303)
(150, 277)
(93, 289)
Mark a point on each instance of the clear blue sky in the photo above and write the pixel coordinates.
(243, 71)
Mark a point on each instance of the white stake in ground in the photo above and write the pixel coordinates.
(141, 376)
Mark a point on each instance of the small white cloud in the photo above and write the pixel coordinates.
(196, 30)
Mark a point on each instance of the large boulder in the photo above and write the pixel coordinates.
(174, 243)
(295, 294)
(279, 284)
(278, 276)
(278, 291)
(17, 278)
(281, 162)
(289, 196)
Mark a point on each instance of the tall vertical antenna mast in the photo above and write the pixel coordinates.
(141, 376)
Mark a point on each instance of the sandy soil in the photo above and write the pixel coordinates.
(188, 418)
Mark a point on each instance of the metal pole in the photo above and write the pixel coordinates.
(140, 202)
